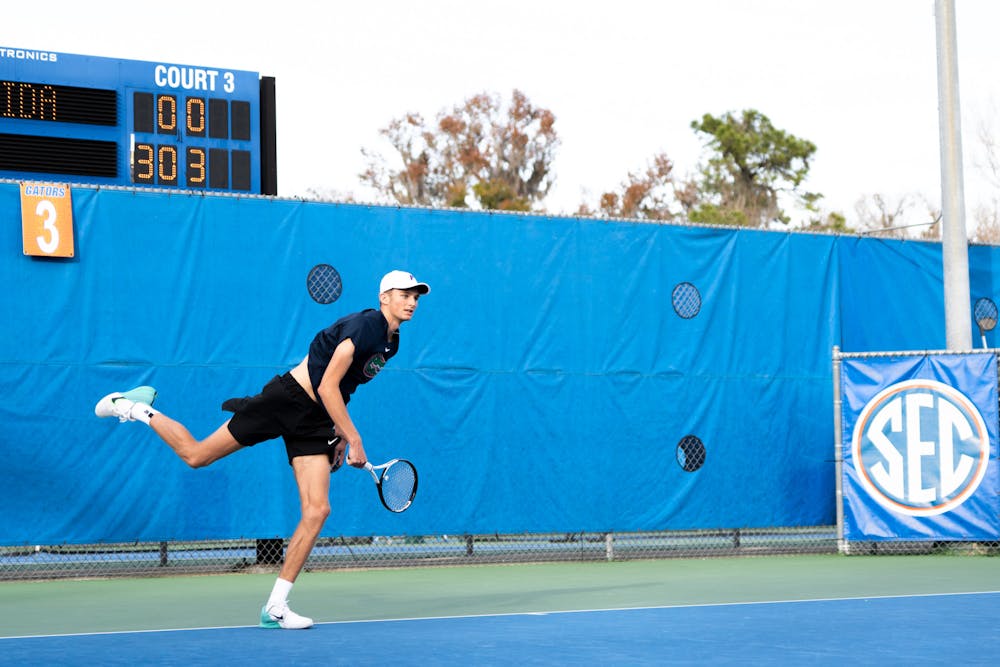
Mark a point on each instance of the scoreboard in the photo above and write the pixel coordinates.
(89, 119)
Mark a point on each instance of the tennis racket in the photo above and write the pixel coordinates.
(397, 483)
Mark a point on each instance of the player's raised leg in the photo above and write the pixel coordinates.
(137, 405)
(195, 453)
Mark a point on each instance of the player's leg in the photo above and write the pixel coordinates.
(312, 474)
(195, 453)
(137, 405)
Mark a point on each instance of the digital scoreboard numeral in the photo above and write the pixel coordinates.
(166, 165)
(144, 164)
(195, 168)
(190, 119)
(166, 114)
(195, 115)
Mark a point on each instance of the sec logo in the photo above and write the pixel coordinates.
(920, 448)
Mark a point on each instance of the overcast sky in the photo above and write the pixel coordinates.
(625, 79)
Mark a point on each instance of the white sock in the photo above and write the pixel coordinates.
(142, 412)
(279, 594)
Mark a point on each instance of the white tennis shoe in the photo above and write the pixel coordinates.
(119, 404)
(280, 616)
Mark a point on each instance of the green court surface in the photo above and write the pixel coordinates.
(106, 605)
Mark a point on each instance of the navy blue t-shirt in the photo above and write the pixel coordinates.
(369, 332)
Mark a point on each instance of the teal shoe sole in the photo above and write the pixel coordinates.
(266, 621)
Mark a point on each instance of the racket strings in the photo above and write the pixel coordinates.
(399, 483)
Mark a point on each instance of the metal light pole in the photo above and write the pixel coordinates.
(955, 244)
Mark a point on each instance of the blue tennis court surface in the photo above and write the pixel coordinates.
(961, 629)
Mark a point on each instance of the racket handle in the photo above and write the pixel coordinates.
(368, 465)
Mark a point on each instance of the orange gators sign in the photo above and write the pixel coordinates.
(47, 220)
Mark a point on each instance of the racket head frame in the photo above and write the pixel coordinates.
(383, 469)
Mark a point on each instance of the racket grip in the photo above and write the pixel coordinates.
(368, 464)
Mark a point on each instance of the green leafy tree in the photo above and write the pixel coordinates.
(752, 163)
(501, 154)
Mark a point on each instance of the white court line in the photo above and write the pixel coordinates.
(666, 606)
(523, 613)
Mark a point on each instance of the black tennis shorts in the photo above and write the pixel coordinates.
(282, 409)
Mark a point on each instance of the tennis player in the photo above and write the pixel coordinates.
(307, 407)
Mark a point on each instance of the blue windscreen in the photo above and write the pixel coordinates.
(545, 384)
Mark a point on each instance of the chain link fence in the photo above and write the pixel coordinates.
(29, 562)
(331, 553)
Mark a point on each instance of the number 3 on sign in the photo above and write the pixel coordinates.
(46, 220)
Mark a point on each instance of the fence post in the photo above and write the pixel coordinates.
(838, 450)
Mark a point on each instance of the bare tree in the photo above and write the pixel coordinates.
(646, 195)
(502, 153)
(987, 229)
(987, 216)
(329, 195)
(424, 176)
(931, 230)
(877, 215)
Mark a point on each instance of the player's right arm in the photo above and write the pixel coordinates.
(333, 401)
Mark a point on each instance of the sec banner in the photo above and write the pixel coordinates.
(920, 447)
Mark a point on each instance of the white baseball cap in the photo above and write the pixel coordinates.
(402, 280)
